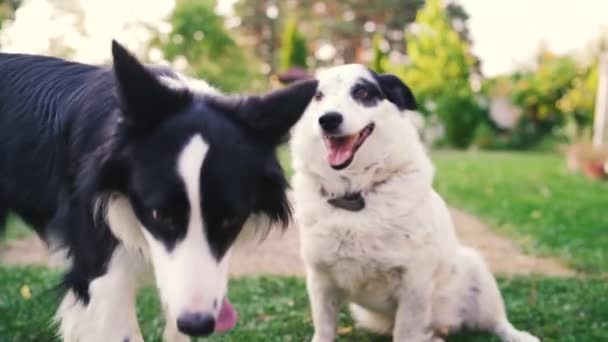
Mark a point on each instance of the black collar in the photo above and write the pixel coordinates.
(350, 202)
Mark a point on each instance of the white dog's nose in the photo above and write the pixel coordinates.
(330, 122)
(196, 324)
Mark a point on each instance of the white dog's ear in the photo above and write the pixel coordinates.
(396, 91)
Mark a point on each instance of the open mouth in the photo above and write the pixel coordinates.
(227, 317)
(341, 149)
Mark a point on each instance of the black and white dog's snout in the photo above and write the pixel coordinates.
(196, 324)
(330, 122)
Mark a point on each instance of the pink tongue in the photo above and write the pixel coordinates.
(340, 150)
(339, 155)
(226, 320)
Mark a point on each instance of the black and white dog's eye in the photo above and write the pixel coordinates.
(319, 96)
(361, 94)
(231, 222)
(159, 218)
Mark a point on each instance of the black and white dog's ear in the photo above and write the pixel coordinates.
(146, 100)
(396, 91)
(269, 116)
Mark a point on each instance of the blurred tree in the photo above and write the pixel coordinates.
(199, 36)
(578, 103)
(293, 47)
(347, 24)
(378, 56)
(440, 60)
(458, 19)
(439, 72)
(537, 92)
(546, 97)
(257, 24)
(8, 8)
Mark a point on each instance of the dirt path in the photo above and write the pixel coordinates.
(278, 254)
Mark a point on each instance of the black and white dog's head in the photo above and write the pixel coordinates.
(357, 119)
(199, 166)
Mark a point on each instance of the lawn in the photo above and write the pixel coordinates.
(532, 197)
(276, 309)
(15, 229)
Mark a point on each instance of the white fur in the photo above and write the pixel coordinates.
(399, 261)
(189, 278)
(110, 314)
(185, 82)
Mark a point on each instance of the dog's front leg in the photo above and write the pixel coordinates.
(325, 303)
(414, 314)
(110, 314)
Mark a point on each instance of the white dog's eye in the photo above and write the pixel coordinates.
(361, 94)
(318, 96)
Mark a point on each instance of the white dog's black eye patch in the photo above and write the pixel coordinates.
(366, 93)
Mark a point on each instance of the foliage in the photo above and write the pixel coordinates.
(439, 72)
(533, 197)
(15, 228)
(440, 60)
(276, 309)
(318, 21)
(379, 56)
(486, 136)
(460, 115)
(556, 97)
(198, 34)
(8, 8)
(293, 48)
(579, 101)
(538, 92)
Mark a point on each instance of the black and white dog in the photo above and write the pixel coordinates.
(373, 231)
(130, 169)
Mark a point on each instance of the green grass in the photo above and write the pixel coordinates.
(532, 197)
(15, 229)
(276, 309)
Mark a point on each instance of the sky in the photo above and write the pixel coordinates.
(37, 24)
(506, 33)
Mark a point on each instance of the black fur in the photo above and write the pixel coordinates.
(72, 135)
(372, 91)
(396, 91)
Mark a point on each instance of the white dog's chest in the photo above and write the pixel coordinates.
(368, 284)
(368, 268)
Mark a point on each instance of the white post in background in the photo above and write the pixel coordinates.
(600, 125)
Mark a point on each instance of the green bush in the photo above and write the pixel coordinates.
(379, 56)
(485, 136)
(293, 47)
(460, 115)
(199, 35)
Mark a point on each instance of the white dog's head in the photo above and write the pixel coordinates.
(357, 120)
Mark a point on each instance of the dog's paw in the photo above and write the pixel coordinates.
(521, 336)
(318, 338)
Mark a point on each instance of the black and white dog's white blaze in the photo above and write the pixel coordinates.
(133, 168)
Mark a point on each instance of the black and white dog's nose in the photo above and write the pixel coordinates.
(330, 122)
(196, 324)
